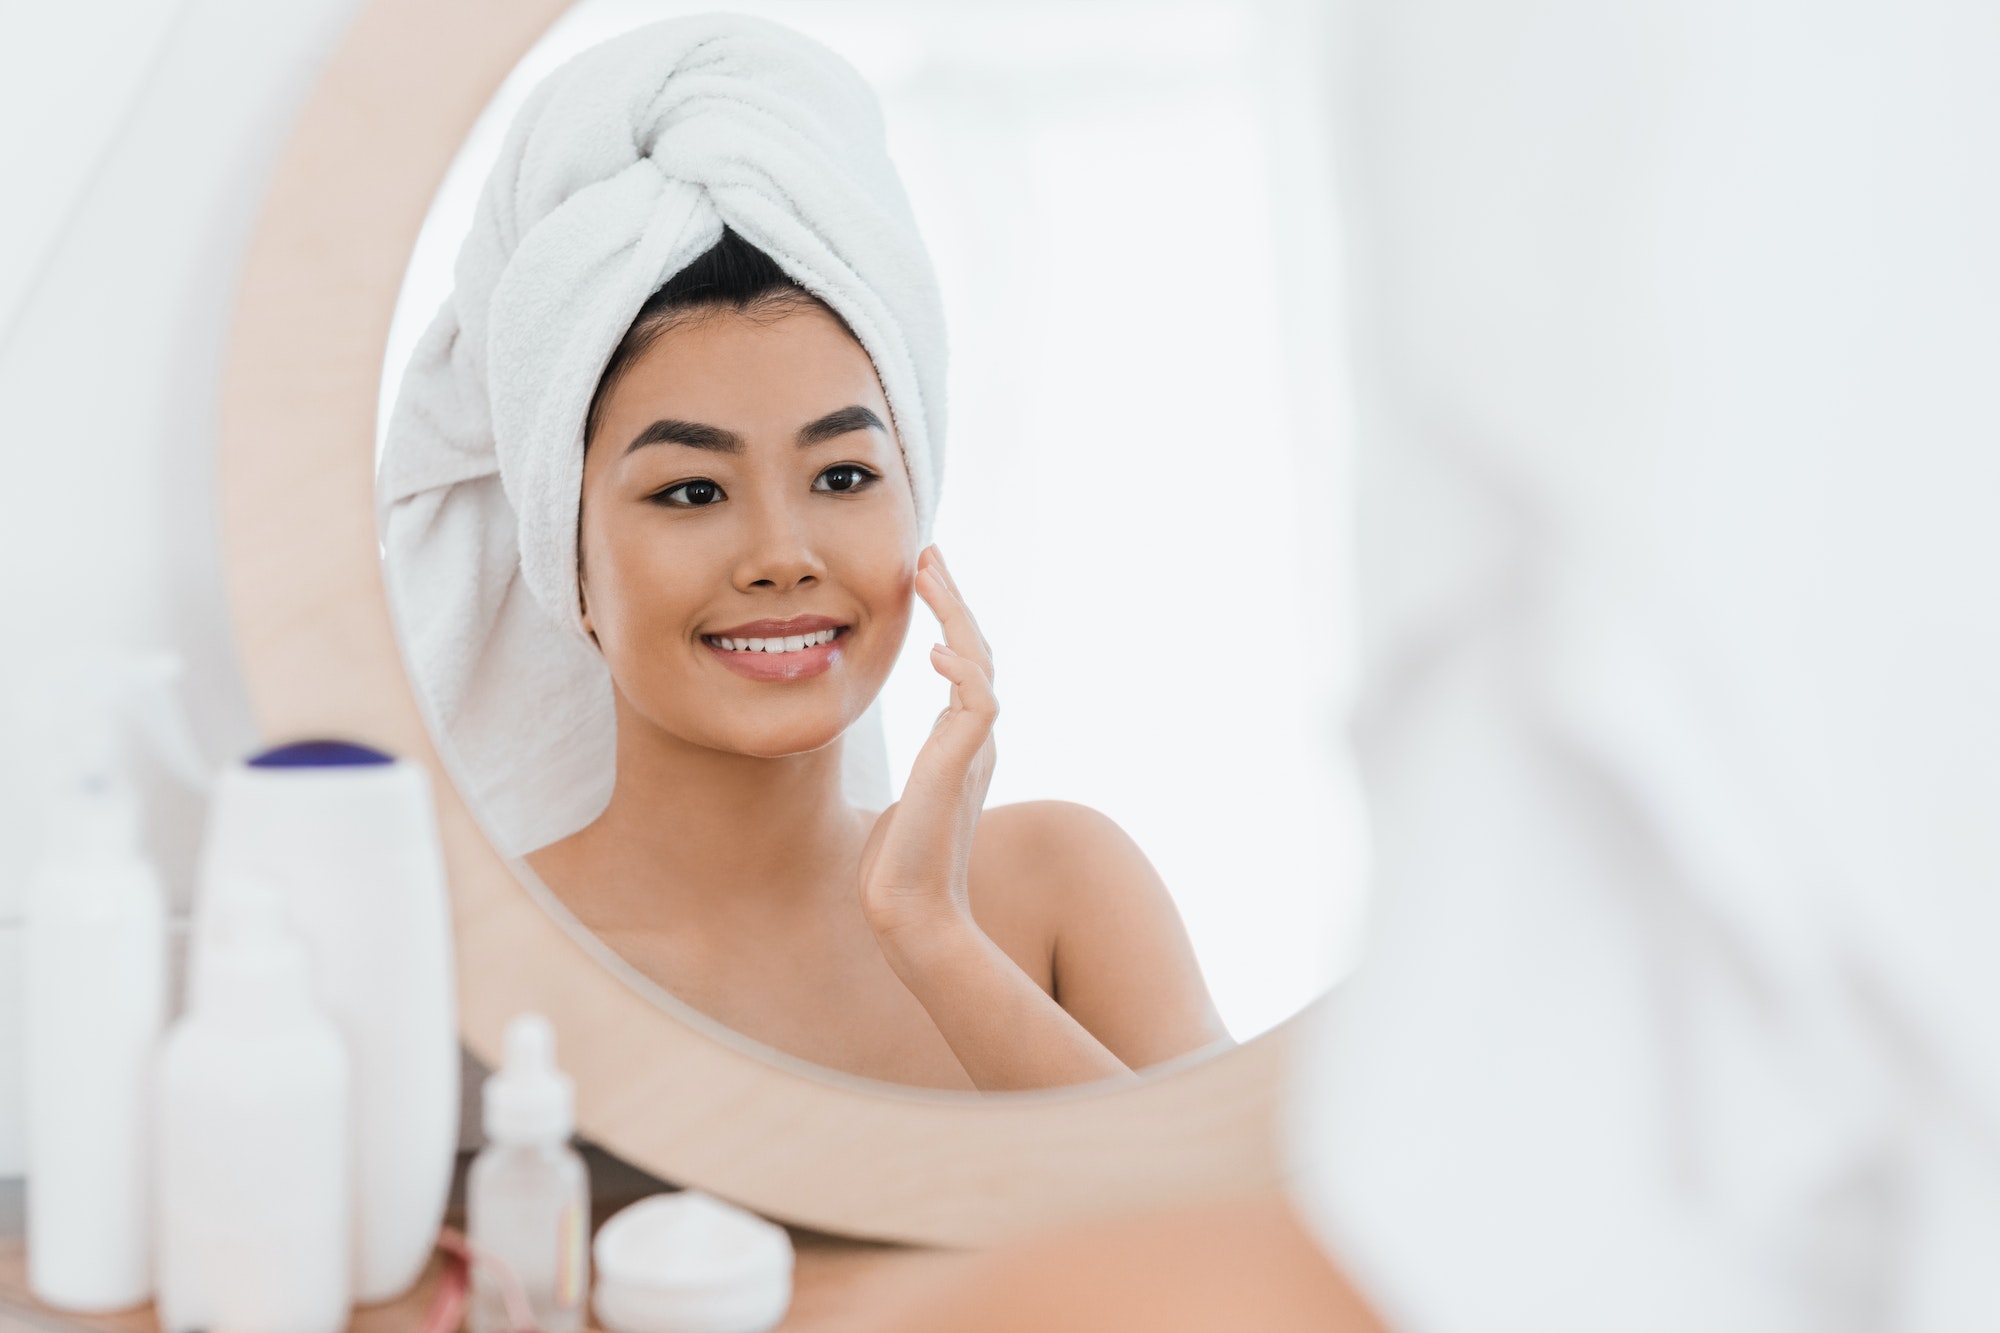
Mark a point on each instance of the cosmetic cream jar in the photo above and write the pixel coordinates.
(690, 1263)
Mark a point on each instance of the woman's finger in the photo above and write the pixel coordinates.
(970, 683)
(933, 559)
(985, 648)
(969, 721)
(961, 632)
(955, 646)
(938, 561)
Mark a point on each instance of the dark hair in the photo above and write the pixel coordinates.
(733, 275)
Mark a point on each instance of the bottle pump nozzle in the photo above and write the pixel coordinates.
(152, 703)
(97, 806)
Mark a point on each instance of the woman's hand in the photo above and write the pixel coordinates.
(913, 869)
(1005, 1030)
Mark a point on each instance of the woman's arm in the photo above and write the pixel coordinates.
(1005, 1030)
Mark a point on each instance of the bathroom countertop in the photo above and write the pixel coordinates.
(836, 1285)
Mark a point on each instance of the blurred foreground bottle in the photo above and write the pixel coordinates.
(348, 835)
(254, 1183)
(95, 991)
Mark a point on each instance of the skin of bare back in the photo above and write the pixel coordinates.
(731, 482)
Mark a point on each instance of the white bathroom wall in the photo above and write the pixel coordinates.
(139, 137)
(59, 129)
(60, 125)
(1146, 495)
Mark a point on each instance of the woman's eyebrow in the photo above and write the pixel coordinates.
(839, 423)
(693, 434)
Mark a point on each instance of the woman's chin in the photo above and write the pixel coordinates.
(763, 723)
(783, 742)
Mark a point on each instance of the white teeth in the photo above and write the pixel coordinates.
(790, 644)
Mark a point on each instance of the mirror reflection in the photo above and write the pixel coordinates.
(717, 651)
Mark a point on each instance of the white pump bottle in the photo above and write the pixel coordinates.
(528, 1194)
(95, 997)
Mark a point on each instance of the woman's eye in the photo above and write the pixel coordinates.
(690, 494)
(843, 477)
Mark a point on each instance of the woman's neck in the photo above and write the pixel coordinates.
(709, 831)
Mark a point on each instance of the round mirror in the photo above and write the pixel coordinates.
(1142, 488)
(1142, 480)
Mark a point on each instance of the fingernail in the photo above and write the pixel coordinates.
(940, 648)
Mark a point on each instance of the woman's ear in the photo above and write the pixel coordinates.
(583, 580)
(583, 607)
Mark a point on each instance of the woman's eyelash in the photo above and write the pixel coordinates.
(846, 478)
(696, 494)
(700, 492)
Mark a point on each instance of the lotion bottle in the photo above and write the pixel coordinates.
(528, 1194)
(94, 996)
(255, 1228)
(349, 836)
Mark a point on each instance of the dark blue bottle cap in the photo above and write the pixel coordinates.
(319, 754)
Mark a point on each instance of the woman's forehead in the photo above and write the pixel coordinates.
(751, 373)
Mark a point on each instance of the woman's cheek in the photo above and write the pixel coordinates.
(894, 605)
(643, 602)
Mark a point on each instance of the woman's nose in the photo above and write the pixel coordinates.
(779, 553)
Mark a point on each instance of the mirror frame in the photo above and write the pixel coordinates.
(666, 1091)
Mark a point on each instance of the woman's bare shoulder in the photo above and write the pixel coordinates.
(1065, 885)
(1041, 827)
(1047, 840)
(1036, 860)
(1030, 863)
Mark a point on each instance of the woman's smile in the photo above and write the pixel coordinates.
(779, 650)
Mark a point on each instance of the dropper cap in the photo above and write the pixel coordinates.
(529, 1100)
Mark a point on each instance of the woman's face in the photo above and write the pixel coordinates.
(748, 541)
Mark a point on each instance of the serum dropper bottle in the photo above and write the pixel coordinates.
(528, 1195)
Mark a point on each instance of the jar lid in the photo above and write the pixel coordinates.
(690, 1263)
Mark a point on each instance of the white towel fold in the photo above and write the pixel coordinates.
(624, 166)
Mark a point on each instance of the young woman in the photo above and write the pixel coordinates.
(748, 553)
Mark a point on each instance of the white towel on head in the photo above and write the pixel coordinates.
(623, 166)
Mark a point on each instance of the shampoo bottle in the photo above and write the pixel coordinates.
(528, 1196)
(255, 1230)
(349, 837)
(94, 997)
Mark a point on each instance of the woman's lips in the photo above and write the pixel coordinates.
(779, 649)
